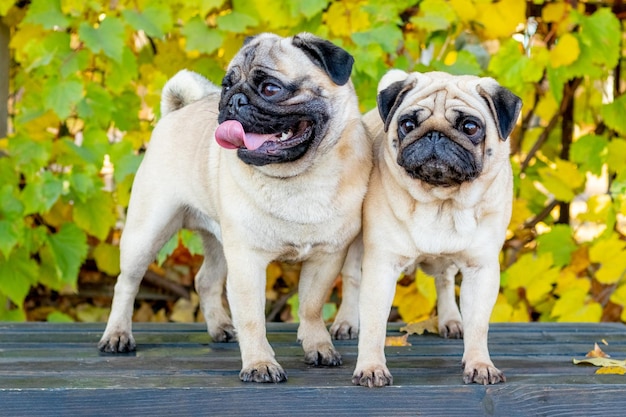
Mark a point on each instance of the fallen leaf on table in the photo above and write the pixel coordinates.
(419, 327)
(397, 340)
(600, 362)
(612, 370)
(596, 353)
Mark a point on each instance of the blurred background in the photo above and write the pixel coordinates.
(80, 85)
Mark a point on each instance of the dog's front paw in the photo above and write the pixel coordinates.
(263, 372)
(326, 356)
(372, 377)
(344, 330)
(117, 342)
(482, 373)
(452, 329)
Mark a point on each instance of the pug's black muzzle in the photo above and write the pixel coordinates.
(438, 160)
(307, 123)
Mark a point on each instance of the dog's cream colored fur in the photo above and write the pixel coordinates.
(247, 216)
(409, 223)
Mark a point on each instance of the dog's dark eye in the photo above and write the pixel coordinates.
(470, 128)
(405, 126)
(269, 89)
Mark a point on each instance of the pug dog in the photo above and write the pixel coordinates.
(272, 166)
(439, 198)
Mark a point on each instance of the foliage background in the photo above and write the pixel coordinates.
(85, 81)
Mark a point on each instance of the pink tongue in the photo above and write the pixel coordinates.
(230, 135)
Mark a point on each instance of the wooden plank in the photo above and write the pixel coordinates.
(55, 369)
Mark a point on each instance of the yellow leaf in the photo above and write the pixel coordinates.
(450, 58)
(565, 52)
(568, 281)
(397, 340)
(419, 327)
(464, 9)
(502, 310)
(610, 254)
(554, 12)
(520, 213)
(611, 370)
(345, 18)
(599, 362)
(500, 19)
(520, 314)
(562, 179)
(619, 296)
(272, 273)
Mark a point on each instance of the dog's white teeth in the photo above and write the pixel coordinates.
(285, 135)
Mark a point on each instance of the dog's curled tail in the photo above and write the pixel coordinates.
(184, 88)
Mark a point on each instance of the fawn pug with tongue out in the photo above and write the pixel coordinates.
(272, 166)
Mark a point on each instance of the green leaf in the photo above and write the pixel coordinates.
(40, 194)
(10, 206)
(308, 8)
(387, 37)
(600, 32)
(69, 248)
(465, 64)
(10, 235)
(155, 21)
(192, 242)
(29, 155)
(200, 37)
(563, 179)
(613, 115)
(46, 13)
(58, 317)
(108, 37)
(590, 152)
(510, 66)
(96, 106)
(167, 249)
(82, 185)
(434, 15)
(236, 22)
(17, 273)
(559, 241)
(61, 96)
(615, 158)
(107, 258)
(95, 215)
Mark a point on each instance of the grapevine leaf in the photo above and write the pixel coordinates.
(590, 152)
(61, 96)
(69, 249)
(154, 20)
(17, 273)
(47, 13)
(559, 242)
(107, 258)
(95, 215)
(200, 37)
(10, 235)
(107, 38)
(613, 115)
(236, 22)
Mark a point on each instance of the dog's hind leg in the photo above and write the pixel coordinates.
(346, 324)
(147, 229)
(210, 284)
(316, 280)
(450, 320)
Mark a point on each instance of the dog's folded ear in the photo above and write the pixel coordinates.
(335, 61)
(504, 105)
(391, 90)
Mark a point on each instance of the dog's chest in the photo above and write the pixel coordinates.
(442, 229)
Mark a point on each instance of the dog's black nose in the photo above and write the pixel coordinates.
(237, 101)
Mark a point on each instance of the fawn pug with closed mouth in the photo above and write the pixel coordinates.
(272, 166)
(439, 198)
